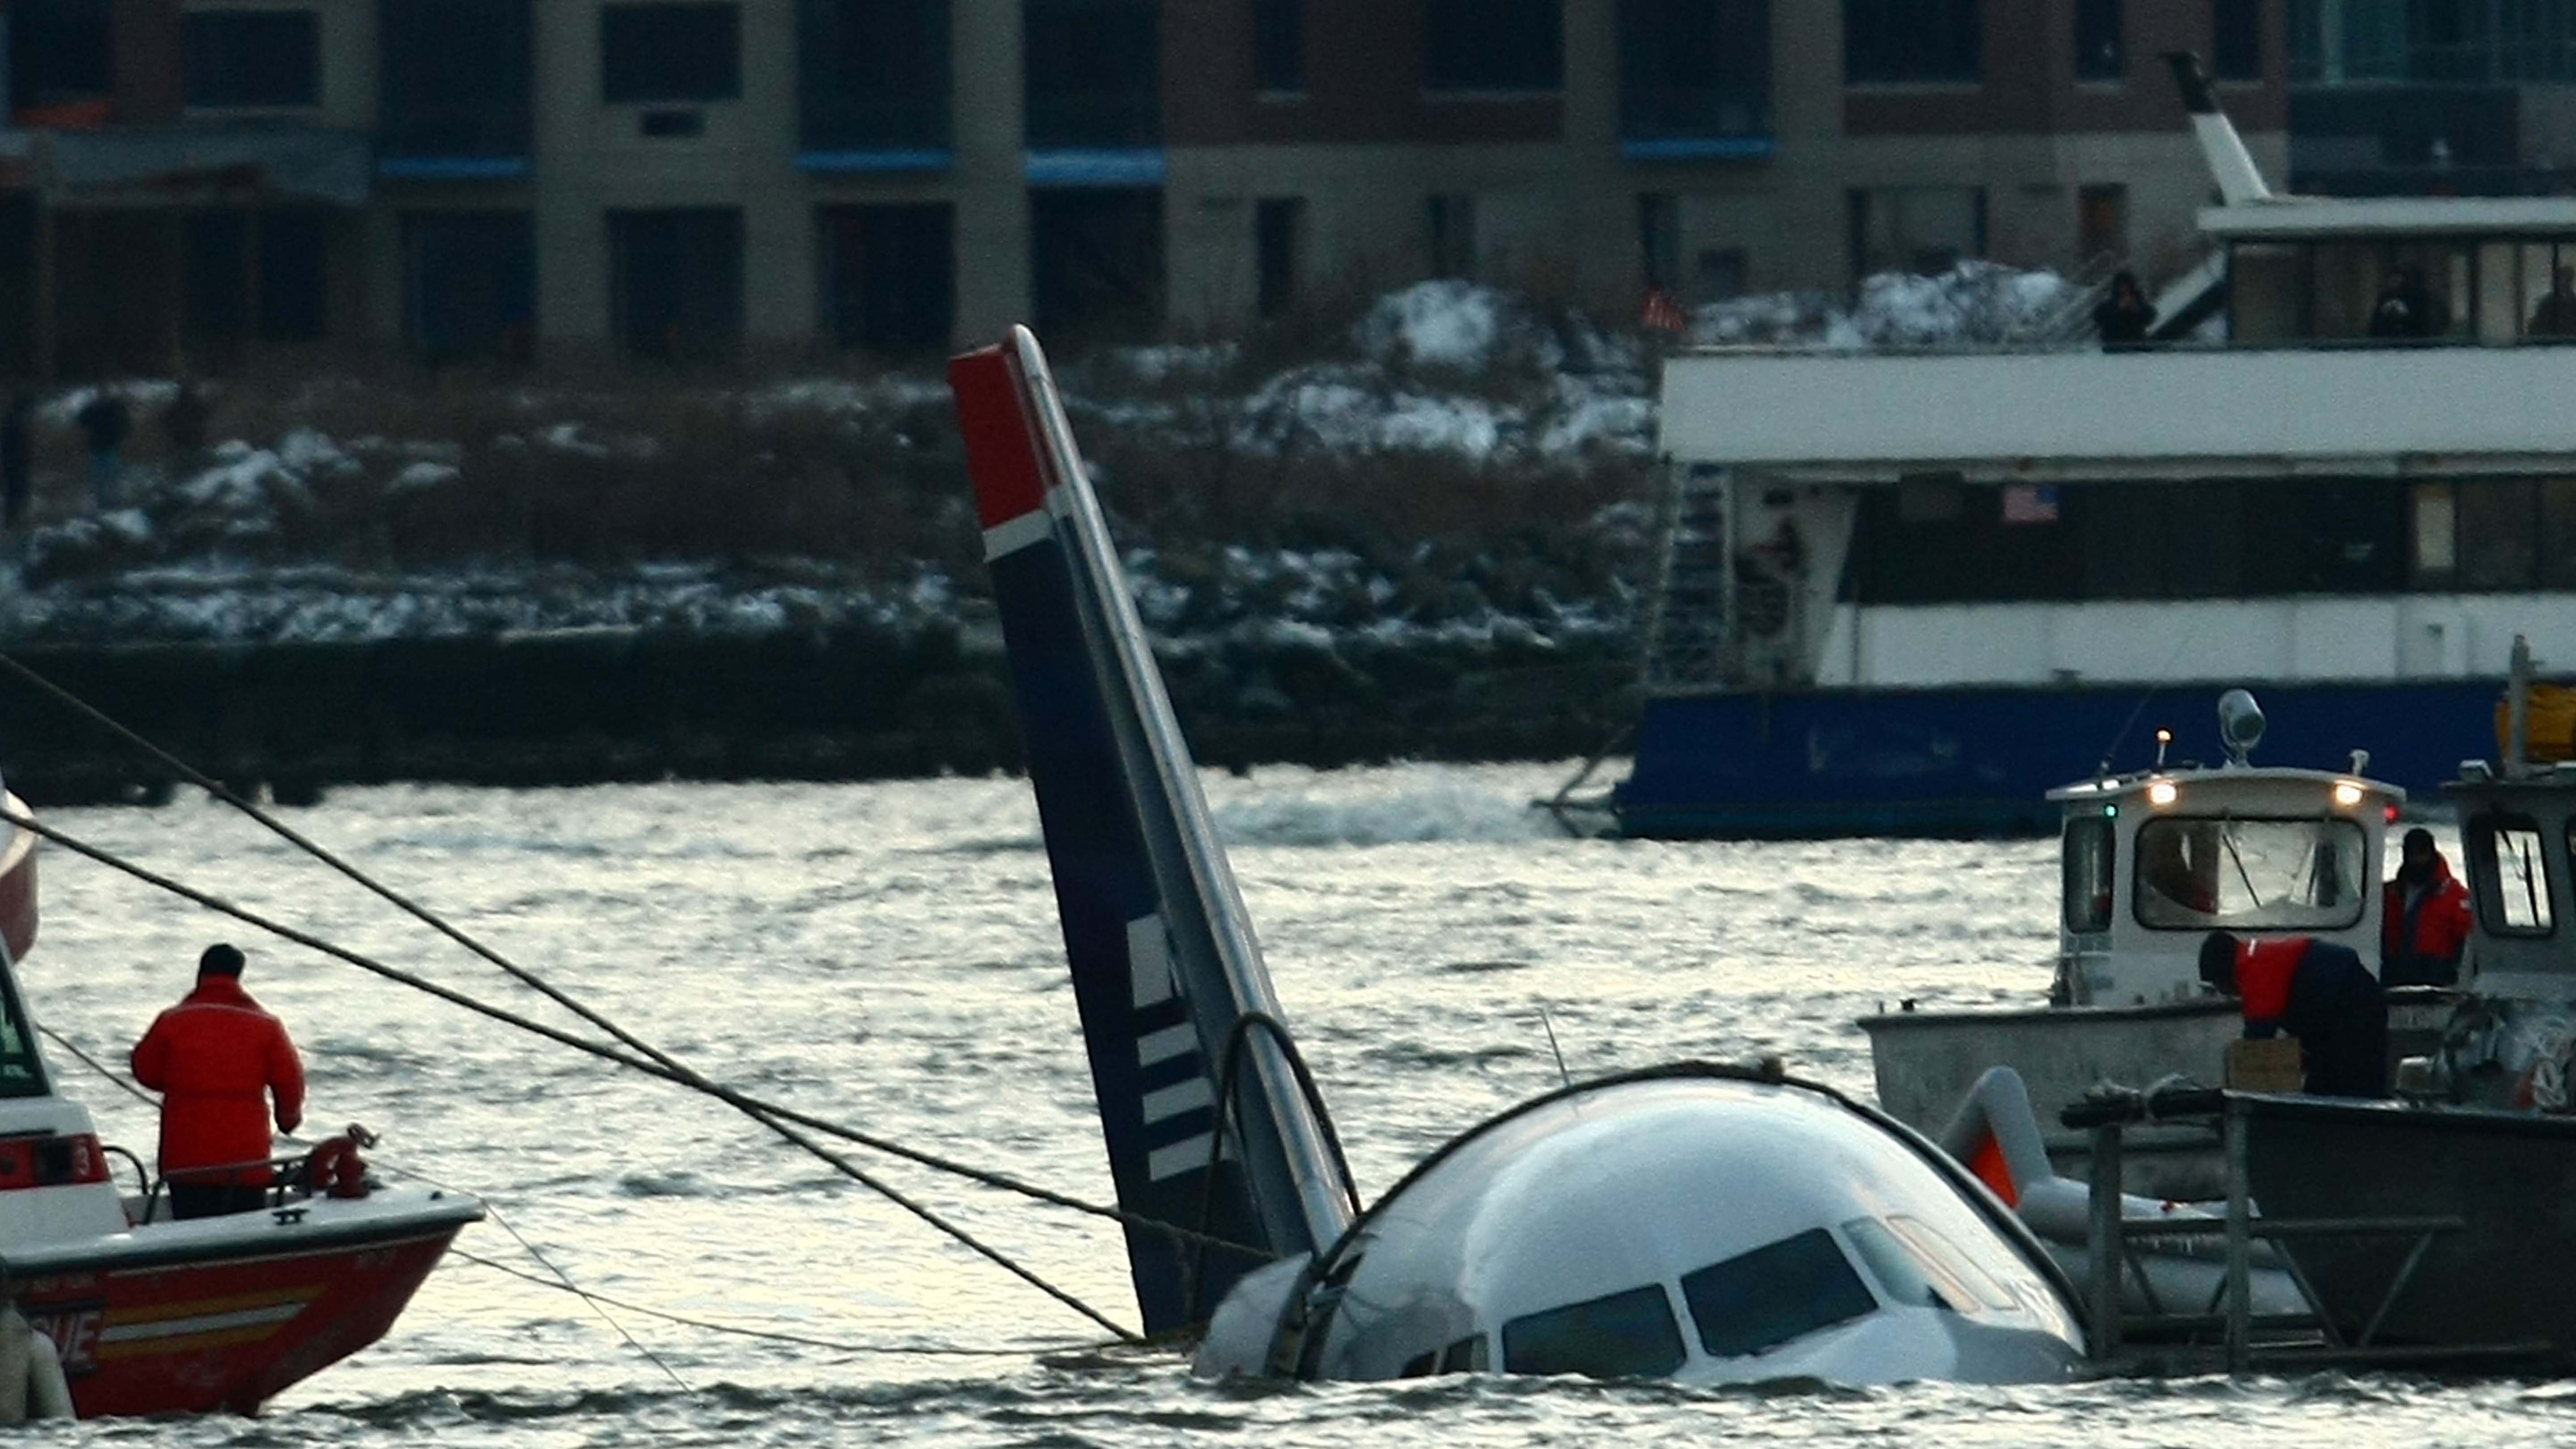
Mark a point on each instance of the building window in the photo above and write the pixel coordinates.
(1278, 223)
(889, 276)
(470, 285)
(1912, 42)
(1923, 229)
(1659, 238)
(873, 74)
(1694, 70)
(651, 53)
(2099, 55)
(2102, 222)
(1279, 44)
(455, 85)
(61, 62)
(1453, 235)
(1096, 261)
(1494, 45)
(675, 278)
(249, 58)
(2236, 39)
(1093, 72)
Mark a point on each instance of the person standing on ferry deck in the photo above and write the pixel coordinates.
(2423, 918)
(216, 1058)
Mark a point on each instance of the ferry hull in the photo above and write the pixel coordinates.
(226, 1330)
(1977, 762)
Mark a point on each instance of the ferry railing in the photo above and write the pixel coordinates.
(2249, 1339)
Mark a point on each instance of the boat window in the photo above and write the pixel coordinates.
(1759, 1300)
(20, 1076)
(2511, 874)
(1620, 1335)
(2091, 847)
(2265, 875)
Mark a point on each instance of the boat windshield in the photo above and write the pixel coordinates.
(2263, 875)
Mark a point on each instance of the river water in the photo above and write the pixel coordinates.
(887, 955)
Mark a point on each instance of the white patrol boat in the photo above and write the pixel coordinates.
(2152, 862)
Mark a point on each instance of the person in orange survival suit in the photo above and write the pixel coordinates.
(2316, 991)
(2424, 918)
(214, 1057)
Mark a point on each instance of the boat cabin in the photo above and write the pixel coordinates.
(2154, 862)
(2518, 833)
(2481, 271)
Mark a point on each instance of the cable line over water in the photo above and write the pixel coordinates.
(637, 1055)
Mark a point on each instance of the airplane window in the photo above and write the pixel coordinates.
(1955, 1264)
(1466, 1356)
(1622, 1335)
(1762, 1299)
(1906, 1278)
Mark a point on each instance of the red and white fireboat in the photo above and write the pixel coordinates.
(154, 1316)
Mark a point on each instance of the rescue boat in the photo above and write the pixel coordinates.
(149, 1315)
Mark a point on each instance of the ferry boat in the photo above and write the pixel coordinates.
(1907, 592)
(2152, 862)
(153, 1316)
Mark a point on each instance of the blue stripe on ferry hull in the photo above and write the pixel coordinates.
(1976, 762)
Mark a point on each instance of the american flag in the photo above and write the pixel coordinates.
(2030, 503)
(1662, 313)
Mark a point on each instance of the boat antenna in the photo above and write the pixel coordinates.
(1553, 1049)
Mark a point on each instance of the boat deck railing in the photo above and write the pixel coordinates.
(2246, 1341)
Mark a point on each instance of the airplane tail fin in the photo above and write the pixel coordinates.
(2230, 164)
(1995, 1134)
(1166, 972)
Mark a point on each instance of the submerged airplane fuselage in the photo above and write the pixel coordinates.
(1693, 1222)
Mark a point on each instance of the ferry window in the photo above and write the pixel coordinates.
(1762, 1299)
(2091, 847)
(2511, 874)
(2437, 537)
(2558, 533)
(2547, 284)
(1619, 1335)
(2202, 874)
(2499, 527)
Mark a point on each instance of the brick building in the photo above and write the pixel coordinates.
(185, 179)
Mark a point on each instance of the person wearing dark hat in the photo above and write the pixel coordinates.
(2423, 918)
(2316, 991)
(217, 1058)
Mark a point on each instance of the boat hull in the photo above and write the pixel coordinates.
(1973, 762)
(2508, 1276)
(225, 1327)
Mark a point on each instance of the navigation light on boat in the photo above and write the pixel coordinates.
(2347, 794)
(2161, 793)
(2388, 813)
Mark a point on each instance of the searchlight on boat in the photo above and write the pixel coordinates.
(2346, 794)
(2162, 793)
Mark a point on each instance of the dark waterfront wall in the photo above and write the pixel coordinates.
(582, 708)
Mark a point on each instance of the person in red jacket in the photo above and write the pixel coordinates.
(216, 1058)
(2423, 918)
(2316, 991)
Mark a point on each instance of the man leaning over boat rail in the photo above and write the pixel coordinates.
(2315, 991)
(216, 1058)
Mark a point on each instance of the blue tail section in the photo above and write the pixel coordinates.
(1164, 961)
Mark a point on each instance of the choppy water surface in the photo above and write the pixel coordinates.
(887, 954)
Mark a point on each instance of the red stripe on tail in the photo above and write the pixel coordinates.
(1001, 443)
(1987, 1162)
